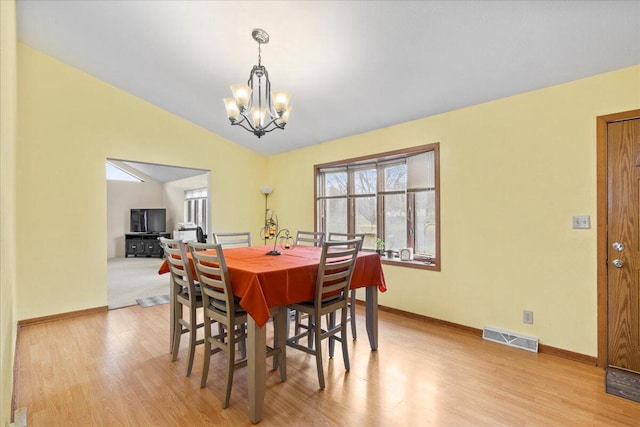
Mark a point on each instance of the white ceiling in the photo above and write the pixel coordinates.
(159, 173)
(164, 173)
(351, 66)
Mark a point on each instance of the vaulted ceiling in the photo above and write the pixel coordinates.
(351, 66)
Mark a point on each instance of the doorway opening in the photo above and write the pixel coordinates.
(156, 188)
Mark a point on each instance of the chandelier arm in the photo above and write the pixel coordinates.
(256, 130)
(275, 123)
(272, 129)
(243, 126)
(246, 119)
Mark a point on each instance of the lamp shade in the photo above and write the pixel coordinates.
(280, 99)
(285, 116)
(242, 95)
(258, 115)
(232, 109)
(266, 190)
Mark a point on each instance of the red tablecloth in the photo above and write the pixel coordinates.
(264, 281)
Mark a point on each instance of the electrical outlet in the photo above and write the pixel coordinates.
(581, 221)
(527, 316)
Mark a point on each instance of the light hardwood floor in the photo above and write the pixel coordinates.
(114, 369)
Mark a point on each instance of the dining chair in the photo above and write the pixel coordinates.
(308, 238)
(299, 319)
(220, 305)
(235, 239)
(336, 267)
(186, 295)
(314, 238)
(352, 296)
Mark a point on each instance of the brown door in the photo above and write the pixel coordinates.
(623, 244)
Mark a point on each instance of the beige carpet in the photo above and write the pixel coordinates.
(129, 279)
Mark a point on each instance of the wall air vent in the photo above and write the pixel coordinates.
(510, 339)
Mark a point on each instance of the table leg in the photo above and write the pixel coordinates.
(256, 366)
(372, 315)
(281, 321)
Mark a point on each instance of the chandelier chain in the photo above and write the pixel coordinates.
(259, 54)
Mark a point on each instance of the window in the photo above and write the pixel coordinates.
(195, 207)
(114, 173)
(393, 196)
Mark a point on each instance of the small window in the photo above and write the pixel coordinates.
(114, 173)
(195, 207)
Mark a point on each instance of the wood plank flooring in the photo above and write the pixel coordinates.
(114, 369)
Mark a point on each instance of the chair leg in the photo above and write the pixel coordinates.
(230, 362)
(207, 359)
(192, 339)
(243, 343)
(172, 317)
(296, 324)
(311, 321)
(352, 308)
(288, 323)
(177, 332)
(317, 334)
(331, 323)
(343, 340)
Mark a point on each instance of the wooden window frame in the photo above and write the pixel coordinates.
(350, 165)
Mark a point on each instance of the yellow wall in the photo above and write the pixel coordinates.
(513, 173)
(8, 118)
(69, 123)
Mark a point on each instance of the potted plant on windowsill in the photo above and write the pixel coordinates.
(380, 247)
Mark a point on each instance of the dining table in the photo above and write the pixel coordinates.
(267, 283)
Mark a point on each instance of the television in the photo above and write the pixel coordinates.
(148, 220)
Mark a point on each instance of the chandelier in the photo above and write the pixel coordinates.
(254, 105)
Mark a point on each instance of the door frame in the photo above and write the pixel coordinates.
(601, 213)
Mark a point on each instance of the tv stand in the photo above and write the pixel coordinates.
(144, 244)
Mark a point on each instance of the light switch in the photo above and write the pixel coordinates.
(581, 221)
